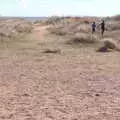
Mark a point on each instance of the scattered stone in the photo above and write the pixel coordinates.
(52, 51)
(97, 95)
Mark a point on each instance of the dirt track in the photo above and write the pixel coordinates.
(81, 85)
(40, 31)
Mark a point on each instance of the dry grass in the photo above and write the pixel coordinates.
(59, 31)
(113, 25)
(71, 28)
(10, 29)
(23, 28)
(83, 39)
(67, 26)
(109, 45)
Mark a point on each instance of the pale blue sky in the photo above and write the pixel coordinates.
(62, 7)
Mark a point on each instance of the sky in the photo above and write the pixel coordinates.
(59, 7)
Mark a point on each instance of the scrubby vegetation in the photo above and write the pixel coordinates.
(14, 28)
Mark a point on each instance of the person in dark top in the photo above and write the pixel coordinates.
(93, 27)
(102, 27)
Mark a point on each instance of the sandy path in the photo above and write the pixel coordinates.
(40, 31)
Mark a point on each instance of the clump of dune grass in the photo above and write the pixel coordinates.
(13, 29)
(82, 39)
(63, 29)
(108, 45)
(23, 28)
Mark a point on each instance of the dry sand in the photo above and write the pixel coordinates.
(78, 84)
